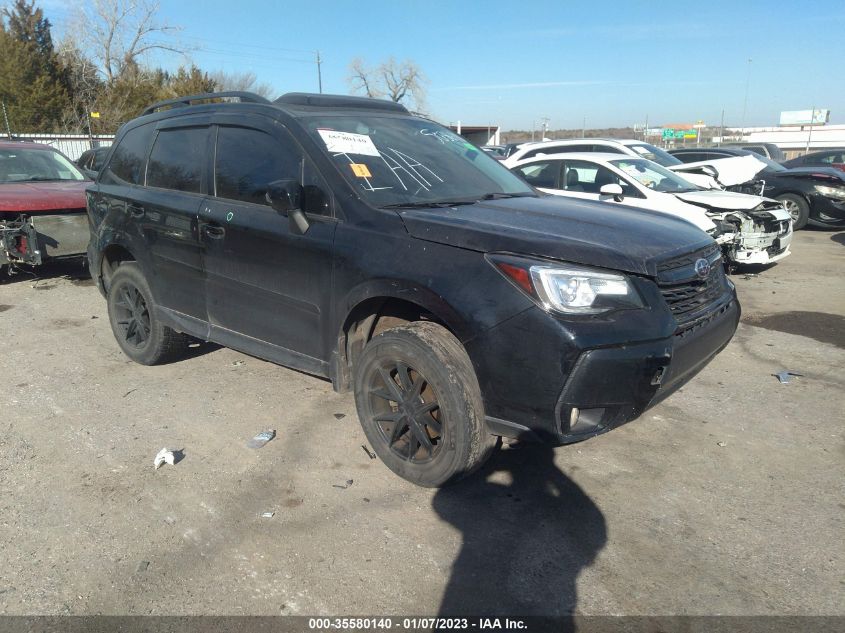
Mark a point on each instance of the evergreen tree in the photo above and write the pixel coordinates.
(33, 83)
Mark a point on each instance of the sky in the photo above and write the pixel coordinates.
(508, 63)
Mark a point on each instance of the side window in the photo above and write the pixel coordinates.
(248, 160)
(127, 162)
(177, 159)
(588, 177)
(607, 149)
(540, 174)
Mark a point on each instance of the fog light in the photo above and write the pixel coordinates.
(573, 417)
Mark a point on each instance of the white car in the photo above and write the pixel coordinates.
(626, 146)
(751, 229)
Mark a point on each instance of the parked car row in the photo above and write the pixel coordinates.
(346, 238)
(750, 229)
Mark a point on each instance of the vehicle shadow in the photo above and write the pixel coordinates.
(839, 238)
(73, 268)
(524, 542)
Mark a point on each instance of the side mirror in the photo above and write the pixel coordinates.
(614, 190)
(285, 196)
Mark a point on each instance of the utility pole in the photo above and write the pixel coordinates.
(810, 135)
(319, 73)
(545, 122)
(721, 128)
(745, 101)
(6, 119)
(584, 128)
(645, 131)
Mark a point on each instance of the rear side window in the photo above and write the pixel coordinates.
(127, 162)
(177, 159)
(540, 174)
(248, 160)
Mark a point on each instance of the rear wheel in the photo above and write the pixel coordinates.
(420, 405)
(132, 315)
(798, 209)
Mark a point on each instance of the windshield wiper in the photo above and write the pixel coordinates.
(41, 179)
(427, 204)
(502, 195)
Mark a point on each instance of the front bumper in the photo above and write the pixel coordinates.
(599, 388)
(826, 211)
(37, 238)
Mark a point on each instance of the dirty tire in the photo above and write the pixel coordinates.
(132, 316)
(434, 394)
(798, 209)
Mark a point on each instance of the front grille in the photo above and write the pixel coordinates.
(688, 296)
(688, 259)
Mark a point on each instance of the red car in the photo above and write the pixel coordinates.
(42, 205)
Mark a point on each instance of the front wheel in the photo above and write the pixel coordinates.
(420, 405)
(133, 321)
(798, 209)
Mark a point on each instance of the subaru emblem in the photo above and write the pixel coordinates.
(702, 268)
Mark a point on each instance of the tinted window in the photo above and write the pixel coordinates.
(607, 149)
(127, 163)
(177, 159)
(540, 174)
(248, 160)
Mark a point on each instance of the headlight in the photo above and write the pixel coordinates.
(830, 192)
(570, 289)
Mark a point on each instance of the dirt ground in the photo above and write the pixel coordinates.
(725, 499)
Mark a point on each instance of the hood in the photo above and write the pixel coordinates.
(43, 196)
(728, 201)
(721, 200)
(578, 231)
(732, 171)
(816, 173)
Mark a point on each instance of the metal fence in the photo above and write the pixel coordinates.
(71, 145)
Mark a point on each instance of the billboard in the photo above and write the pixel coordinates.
(805, 117)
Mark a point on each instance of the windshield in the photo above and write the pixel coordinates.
(405, 161)
(654, 176)
(646, 150)
(24, 164)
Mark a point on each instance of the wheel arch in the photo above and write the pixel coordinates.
(382, 305)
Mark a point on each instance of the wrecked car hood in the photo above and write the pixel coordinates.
(731, 171)
(579, 231)
(43, 196)
(727, 200)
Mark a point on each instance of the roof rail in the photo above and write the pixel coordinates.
(339, 101)
(184, 102)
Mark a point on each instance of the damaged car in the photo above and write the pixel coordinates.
(42, 206)
(812, 195)
(349, 239)
(750, 229)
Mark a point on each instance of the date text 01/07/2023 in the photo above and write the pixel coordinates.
(414, 624)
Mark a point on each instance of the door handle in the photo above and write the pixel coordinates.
(135, 211)
(214, 231)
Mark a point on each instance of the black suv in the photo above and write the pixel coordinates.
(346, 238)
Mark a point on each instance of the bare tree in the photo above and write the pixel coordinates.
(400, 82)
(245, 82)
(117, 33)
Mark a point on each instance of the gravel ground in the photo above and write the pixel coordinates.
(725, 499)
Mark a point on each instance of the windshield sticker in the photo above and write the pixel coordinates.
(360, 170)
(348, 143)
